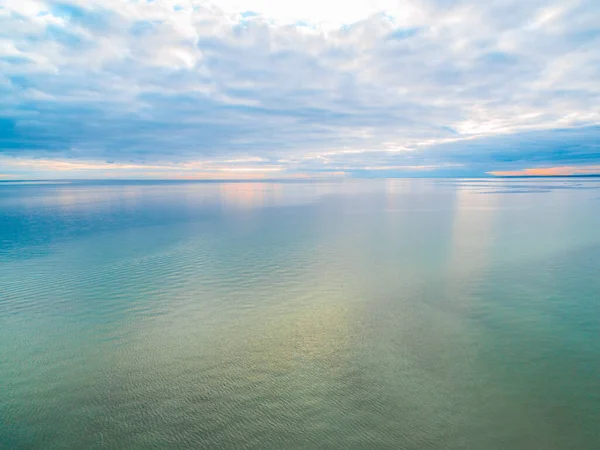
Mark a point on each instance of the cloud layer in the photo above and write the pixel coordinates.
(191, 88)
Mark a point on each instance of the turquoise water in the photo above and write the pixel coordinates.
(392, 314)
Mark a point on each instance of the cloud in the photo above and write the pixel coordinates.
(241, 168)
(549, 171)
(369, 88)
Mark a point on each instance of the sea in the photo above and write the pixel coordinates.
(404, 314)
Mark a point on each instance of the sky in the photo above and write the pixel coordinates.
(265, 89)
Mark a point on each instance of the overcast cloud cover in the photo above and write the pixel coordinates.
(244, 89)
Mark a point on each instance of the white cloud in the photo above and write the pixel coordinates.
(375, 81)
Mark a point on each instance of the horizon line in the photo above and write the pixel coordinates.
(288, 180)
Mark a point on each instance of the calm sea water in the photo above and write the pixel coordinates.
(398, 314)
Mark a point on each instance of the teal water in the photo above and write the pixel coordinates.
(392, 314)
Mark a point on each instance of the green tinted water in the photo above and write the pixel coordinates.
(399, 314)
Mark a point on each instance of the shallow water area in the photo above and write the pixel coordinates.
(381, 314)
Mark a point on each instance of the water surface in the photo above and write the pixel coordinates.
(393, 314)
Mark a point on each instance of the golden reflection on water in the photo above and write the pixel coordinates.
(472, 230)
(247, 196)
